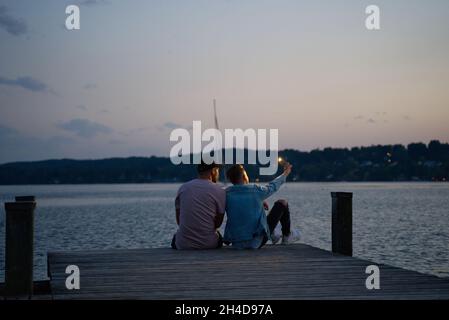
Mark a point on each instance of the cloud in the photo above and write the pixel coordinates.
(82, 107)
(89, 86)
(171, 126)
(85, 128)
(6, 131)
(358, 118)
(27, 83)
(12, 25)
(91, 3)
(371, 120)
(116, 141)
(30, 147)
(135, 131)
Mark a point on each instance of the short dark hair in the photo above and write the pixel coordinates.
(235, 173)
(204, 167)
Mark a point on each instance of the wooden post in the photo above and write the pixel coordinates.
(25, 198)
(342, 223)
(19, 247)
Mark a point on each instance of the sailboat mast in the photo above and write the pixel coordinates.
(215, 115)
(222, 174)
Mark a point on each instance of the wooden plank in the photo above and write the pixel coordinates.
(275, 272)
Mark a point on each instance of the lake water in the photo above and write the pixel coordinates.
(401, 224)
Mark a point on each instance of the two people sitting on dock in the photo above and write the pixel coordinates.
(200, 207)
(247, 225)
(201, 204)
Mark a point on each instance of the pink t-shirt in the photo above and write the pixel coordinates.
(199, 201)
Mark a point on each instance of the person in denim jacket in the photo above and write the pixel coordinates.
(247, 225)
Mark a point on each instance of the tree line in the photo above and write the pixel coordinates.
(414, 162)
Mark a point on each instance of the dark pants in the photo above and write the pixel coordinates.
(219, 245)
(279, 213)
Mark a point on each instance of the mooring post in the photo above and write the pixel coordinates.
(19, 247)
(25, 198)
(342, 223)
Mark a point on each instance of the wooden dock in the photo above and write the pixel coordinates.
(296, 271)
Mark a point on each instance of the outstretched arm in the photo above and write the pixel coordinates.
(266, 191)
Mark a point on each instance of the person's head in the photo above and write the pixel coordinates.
(209, 171)
(237, 174)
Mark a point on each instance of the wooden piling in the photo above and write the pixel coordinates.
(342, 223)
(25, 198)
(19, 245)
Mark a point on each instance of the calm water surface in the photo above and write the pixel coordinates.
(401, 224)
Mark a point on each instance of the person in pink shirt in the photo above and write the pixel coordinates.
(200, 206)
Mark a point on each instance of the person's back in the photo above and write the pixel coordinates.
(200, 207)
(199, 200)
(245, 212)
(247, 225)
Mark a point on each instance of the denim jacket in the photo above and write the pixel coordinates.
(246, 218)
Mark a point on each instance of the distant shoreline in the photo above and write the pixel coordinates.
(181, 182)
(416, 162)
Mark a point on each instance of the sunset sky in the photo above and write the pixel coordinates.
(137, 69)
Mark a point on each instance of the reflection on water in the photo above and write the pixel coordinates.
(401, 224)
